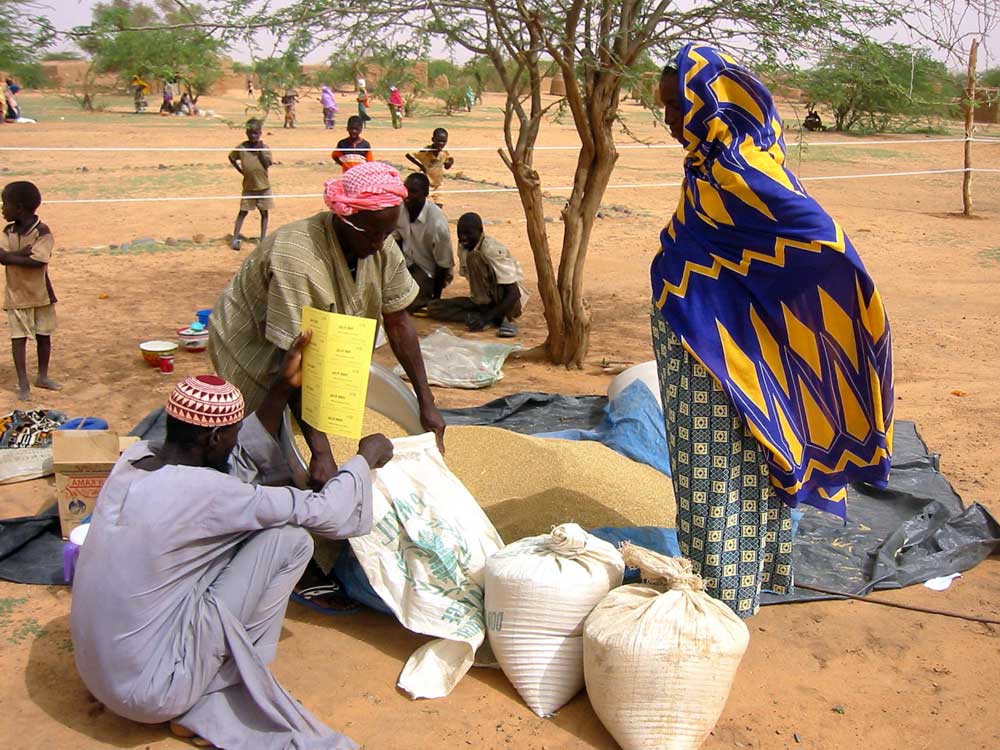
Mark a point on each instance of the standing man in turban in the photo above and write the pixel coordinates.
(193, 551)
(343, 260)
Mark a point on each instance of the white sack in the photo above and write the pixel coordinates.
(660, 658)
(539, 591)
(425, 558)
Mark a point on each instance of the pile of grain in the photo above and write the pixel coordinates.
(528, 485)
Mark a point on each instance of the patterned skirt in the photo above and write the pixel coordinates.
(729, 523)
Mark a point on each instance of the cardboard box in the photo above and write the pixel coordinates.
(82, 460)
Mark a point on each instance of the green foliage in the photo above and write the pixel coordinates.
(990, 77)
(24, 34)
(188, 55)
(483, 75)
(343, 70)
(878, 86)
(395, 63)
(438, 67)
(453, 98)
(276, 75)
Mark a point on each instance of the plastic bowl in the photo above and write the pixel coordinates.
(203, 316)
(193, 341)
(151, 351)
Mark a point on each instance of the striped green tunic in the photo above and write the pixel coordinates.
(259, 314)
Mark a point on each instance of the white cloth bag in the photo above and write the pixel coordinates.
(539, 591)
(425, 557)
(660, 657)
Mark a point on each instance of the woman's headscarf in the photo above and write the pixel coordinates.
(370, 186)
(326, 98)
(766, 291)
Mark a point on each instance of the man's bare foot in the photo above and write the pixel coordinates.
(47, 383)
(181, 731)
(24, 393)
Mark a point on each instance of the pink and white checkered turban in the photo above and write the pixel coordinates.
(370, 186)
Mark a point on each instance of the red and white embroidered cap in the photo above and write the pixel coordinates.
(206, 401)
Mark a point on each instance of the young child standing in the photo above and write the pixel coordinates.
(253, 165)
(25, 250)
(353, 149)
(432, 160)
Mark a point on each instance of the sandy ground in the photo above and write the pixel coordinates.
(827, 675)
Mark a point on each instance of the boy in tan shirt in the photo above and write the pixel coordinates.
(25, 249)
(252, 159)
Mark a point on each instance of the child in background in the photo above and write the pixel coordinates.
(25, 250)
(289, 100)
(253, 165)
(396, 105)
(329, 105)
(363, 104)
(353, 149)
(433, 159)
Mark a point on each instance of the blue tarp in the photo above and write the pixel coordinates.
(632, 425)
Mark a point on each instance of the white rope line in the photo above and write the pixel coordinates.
(888, 174)
(560, 188)
(396, 149)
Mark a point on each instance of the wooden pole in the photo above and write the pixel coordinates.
(970, 119)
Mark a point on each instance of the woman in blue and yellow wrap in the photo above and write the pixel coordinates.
(771, 342)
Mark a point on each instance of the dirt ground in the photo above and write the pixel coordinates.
(823, 676)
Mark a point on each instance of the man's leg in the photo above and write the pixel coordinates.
(19, 348)
(263, 224)
(238, 228)
(453, 309)
(257, 582)
(44, 354)
(426, 285)
(254, 587)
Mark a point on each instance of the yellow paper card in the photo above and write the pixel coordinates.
(335, 368)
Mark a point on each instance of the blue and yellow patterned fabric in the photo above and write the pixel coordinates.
(766, 291)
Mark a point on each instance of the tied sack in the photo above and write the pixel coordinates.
(425, 557)
(660, 657)
(539, 591)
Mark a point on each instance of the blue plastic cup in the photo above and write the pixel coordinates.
(203, 316)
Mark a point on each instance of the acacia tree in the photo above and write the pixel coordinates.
(878, 86)
(163, 41)
(594, 45)
(597, 46)
(24, 33)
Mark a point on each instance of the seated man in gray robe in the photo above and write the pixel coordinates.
(497, 296)
(194, 548)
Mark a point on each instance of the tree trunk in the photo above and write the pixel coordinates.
(594, 167)
(530, 192)
(970, 125)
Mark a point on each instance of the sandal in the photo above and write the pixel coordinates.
(507, 330)
(326, 599)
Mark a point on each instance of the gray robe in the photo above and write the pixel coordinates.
(182, 584)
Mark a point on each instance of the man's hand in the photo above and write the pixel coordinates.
(290, 370)
(322, 468)
(376, 450)
(432, 421)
